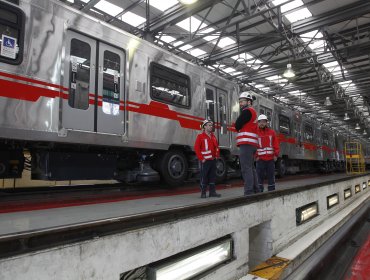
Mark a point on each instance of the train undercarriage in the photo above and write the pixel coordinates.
(51, 161)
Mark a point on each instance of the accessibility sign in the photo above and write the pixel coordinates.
(8, 46)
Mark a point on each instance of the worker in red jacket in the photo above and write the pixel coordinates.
(267, 153)
(207, 151)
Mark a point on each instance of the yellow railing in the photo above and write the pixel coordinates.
(355, 160)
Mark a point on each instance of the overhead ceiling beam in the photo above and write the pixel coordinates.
(300, 27)
(182, 12)
(89, 5)
(341, 14)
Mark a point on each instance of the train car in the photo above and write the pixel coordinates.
(89, 101)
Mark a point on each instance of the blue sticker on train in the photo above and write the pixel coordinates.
(9, 42)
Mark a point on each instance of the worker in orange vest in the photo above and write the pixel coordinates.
(247, 140)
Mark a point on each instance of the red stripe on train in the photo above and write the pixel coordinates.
(25, 92)
(31, 80)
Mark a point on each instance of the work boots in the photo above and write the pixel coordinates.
(212, 191)
(203, 190)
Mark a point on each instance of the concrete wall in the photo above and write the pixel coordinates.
(106, 258)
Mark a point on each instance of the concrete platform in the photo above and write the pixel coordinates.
(260, 227)
(48, 218)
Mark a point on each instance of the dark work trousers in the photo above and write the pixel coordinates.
(208, 176)
(266, 167)
(247, 168)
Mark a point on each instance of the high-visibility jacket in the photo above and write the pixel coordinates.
(206, 147)
(248, 133)
(268, 144)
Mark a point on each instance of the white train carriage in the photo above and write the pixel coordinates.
(85, 98)
(90, 101)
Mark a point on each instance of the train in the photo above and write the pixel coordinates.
(81, 99)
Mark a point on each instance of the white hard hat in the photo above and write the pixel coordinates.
(262, 117)
(246, 95)
(205, 122)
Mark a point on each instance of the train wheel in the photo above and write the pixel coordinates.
(280, 168)
(221, 169)
(173, 168)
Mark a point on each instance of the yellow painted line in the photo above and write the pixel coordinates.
(271, 268)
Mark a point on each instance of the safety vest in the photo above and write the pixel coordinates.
(268, 144)
(206, 147)
(247, 135)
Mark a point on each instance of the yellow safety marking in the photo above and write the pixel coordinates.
(271, 268)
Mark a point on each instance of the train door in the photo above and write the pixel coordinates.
(216, 110)
(95, 88)
(78, 107)
(111, 64)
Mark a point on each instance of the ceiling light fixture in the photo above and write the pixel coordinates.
(365, 133)
(289, 73)
(328, 101)
(346, 118)
(357, 126)
(187, 2)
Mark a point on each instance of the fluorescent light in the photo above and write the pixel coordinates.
(192, 264)
(347, 193)
(357, 188)
(328, 101)
(289, 73)
(306, 212)
(332, 200)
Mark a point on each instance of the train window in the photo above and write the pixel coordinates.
(284, 125)
(79, 75)
(210, 103)
(308, 132)
(12, 21)
(111, 83)
(169, 86)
